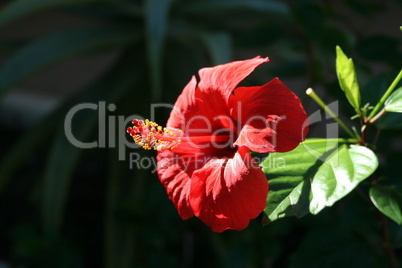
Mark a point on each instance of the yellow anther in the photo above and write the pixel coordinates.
(150, 135)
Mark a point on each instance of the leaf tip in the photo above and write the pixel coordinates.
(339, 50)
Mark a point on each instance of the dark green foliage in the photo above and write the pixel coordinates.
(61, 206)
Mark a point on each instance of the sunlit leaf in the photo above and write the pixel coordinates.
(314, 175)
(347, 78)
(342, 171)
(388, 200)
(288, 178)
(394, 102)
(53, 48)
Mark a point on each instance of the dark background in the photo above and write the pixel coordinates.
(61, 206)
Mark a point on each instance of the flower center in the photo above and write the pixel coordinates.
(150, 135)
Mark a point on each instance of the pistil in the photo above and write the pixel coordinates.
(150, 135)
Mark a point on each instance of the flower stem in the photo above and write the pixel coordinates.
(310, 92)
(386, 95)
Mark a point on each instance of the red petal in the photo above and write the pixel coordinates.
(199, 113)
(174, 173)
(212, 115)
(224, 78)
(227, 193)
(184, 106)
(271, 117)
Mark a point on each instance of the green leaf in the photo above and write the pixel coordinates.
(388, 200)
(21, 8)
(56, 47)
(394, 102)
(288, 179)
(316, 174)
(342, 171)
(155, 26)
(347, 78)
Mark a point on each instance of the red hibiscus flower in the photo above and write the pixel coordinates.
(204, 158)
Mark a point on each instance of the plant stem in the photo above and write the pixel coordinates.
(370, 122)
(378, 116)
(386, 95)
(386, 241)
(310, 92)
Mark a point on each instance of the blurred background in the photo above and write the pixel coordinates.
(62, 206)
